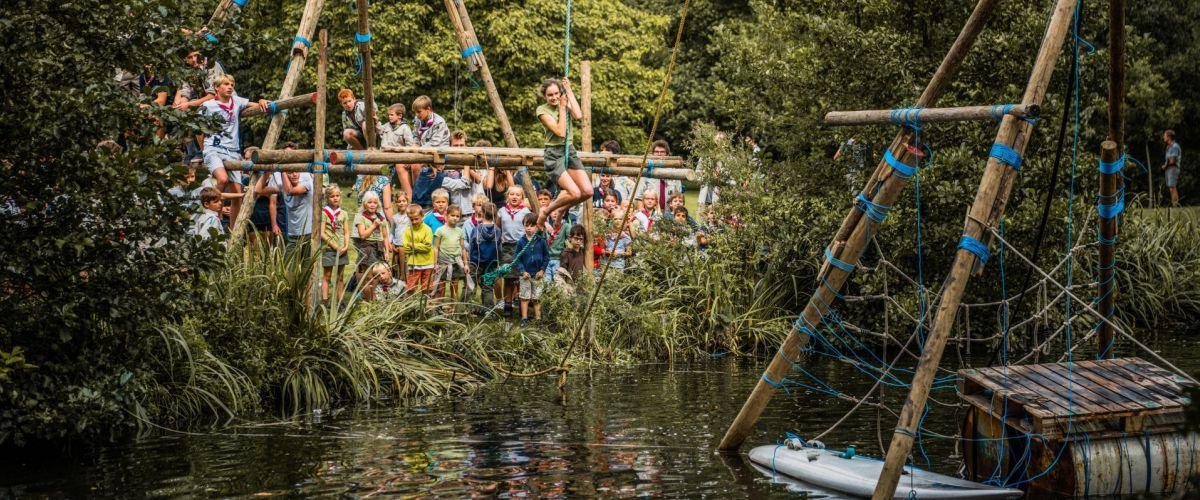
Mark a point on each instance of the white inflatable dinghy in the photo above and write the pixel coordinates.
(856, 475)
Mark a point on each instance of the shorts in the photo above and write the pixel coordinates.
(552, 269)
(214, 159)
(458, 272)
(330, 258)
(420, 280)
(531, 289)
(362, 139)
(260, 217)
(555, 166)
(507, 253)
(1172, 176)
(369, 252)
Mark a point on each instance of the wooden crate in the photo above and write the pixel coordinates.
(1104, 398)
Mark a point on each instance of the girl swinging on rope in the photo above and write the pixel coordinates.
(561, 161)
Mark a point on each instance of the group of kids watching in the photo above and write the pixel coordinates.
(440, 228)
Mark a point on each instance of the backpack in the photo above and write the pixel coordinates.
(485, 247)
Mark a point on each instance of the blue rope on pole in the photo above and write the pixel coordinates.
(1006, 155)
(903, 170)
(907, 117)
(873, 211)
(979, 248)
(211, 38)
(362, 37)
(838, 263)
(241, 3)
(472, 50)
(301, 40)
(1114, 167)
(313, 164)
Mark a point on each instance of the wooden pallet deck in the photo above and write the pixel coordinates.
(1099, 397)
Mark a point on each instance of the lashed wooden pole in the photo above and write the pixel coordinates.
(852, 237)
(224, 9)
(585, 79)
(460, 20)
(985, 212)
(318, 181)
(1111, 183)
(308, 24)
(299, 101)
(901, 116)
(471, 156)
(363, 39)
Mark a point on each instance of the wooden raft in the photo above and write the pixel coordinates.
(1104, 398)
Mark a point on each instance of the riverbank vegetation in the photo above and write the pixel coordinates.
(113, 319)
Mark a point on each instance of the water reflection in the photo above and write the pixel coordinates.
(643, 431)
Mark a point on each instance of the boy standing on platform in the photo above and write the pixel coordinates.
(225, 144)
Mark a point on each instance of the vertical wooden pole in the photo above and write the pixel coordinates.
(469, 43)
(985, 213)
(363, 38)
(318, 193)
(585, 75)
(308, 25)
(851, 239)
(1111, 184)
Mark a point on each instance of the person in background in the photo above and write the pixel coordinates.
(571, 261)
(335, 233)
(371, 234)
(512, 217)
(354, 117)
(662, 188)
(623, 185)
(450, 255)
(557, 230)
(437, 216)
(400, 223)
(397, 134)
(484, 250)
(208, 220)
(417, 243)
(225, 144)
(298, 196)
(1171, 166)
(461, 183)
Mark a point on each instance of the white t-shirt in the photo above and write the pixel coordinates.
(228, 138)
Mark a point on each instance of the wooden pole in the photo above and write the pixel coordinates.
(461, 20)
(356, 169)
(363, 37)
(299, 101)
(585, 76)
(851, 239)
(985, 212)
(491, 157)
(319, 143)
(930, 115)
(224, 9)
(1111, 184)
(308, 24)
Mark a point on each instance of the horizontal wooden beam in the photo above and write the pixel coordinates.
(930, 115)
(246, 166)
(299, 101)
(657, 167)
(372, 168)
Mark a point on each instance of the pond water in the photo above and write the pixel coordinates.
(649, 430)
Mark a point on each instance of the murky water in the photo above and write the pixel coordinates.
(643, 431)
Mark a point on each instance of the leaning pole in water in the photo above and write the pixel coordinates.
(986, 212)
(851, 239)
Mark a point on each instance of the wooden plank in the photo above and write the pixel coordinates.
(1080, 401)
(1113, 400)
(1050, 407)
(1114, 390)
(1156, 372)
(1130, 380)
(1014, 420)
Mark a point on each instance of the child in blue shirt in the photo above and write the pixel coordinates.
(532, 266)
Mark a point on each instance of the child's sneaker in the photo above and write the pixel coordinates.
(524, 322)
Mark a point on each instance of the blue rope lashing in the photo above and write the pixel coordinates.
(241, 3)
(1006, 155)
(902, 169)
(301, 40)
(873, 211)
(472, 50)
(1112, 210)
(246, 165)
(211, 38)
(907, 117)
(802, 326)
(1106, 241)
(838, 263)
(272, 108)
(905, 431)
(362, 37)
(313, 164)
(1115, 167)
(999, 110)
(975, 246)
(649, 168)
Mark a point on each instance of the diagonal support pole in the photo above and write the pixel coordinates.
(848, 244)
(308, 25)
(986, 212)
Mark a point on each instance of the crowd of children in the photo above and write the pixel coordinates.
(443, 233)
